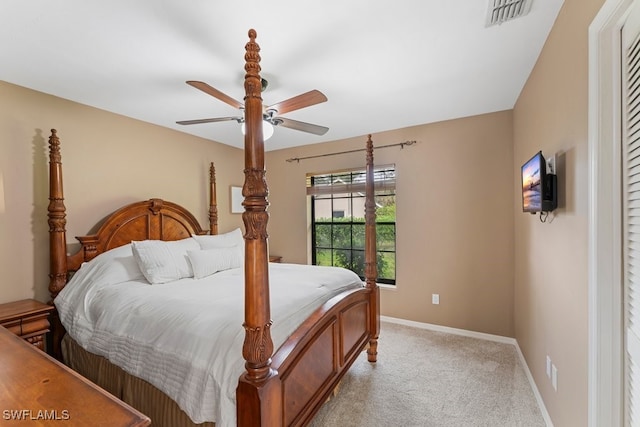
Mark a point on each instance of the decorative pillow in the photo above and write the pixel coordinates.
(205, 262)
(162, 261)
(226, 240)
(232, 239)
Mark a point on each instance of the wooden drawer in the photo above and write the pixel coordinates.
(13, 326)
(35, 324)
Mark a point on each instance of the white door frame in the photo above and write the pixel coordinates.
(606, 382)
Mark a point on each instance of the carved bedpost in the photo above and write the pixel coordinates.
(258, 394)
(57, 241)
(371, 267)
(213, 201)
(57, 219)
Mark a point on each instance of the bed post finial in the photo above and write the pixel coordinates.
(57, 219)
(213, 201)
(259, 389)
(371, 255)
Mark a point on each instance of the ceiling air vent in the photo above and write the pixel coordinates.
(506, 10)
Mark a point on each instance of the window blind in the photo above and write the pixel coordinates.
(351, 181)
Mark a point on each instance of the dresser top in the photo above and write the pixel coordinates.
(38, 388)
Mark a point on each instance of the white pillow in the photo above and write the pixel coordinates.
(208, 261)
(232, 239)
(226, 240)
(116, 265)
(109, 268)
(162, 261)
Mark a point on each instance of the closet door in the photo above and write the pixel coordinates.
(631, 212)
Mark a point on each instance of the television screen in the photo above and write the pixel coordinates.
(533, 176)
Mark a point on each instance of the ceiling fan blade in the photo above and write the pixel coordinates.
(307, 99)
(304, 127)
(217, 119)
(215, 93)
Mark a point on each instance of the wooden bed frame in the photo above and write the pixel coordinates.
(285, 388)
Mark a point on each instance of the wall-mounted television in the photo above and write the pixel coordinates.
(538, 186)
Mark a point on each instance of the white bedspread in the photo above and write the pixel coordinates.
(185, 337)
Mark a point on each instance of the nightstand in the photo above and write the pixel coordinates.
(29, 319)
(275, 258)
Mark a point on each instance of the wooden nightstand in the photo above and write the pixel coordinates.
(29, 319)
(275, 258)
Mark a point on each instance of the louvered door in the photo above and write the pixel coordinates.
(631, 211)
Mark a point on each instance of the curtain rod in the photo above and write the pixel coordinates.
(399, 144)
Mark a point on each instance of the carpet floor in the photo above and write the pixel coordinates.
(427, 378)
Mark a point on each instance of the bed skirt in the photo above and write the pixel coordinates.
(146, 398)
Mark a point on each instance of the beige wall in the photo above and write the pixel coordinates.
(454, 215)
(551, 259)
(108, 160)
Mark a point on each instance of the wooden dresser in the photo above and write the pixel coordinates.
(29, 319)
(38, 389)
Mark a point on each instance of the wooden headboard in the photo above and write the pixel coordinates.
(154, 219)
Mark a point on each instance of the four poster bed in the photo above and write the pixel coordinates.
(108, 294)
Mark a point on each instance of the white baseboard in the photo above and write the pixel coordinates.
(447, 329)
(543, 409)
(483, 336)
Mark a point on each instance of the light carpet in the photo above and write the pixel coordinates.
(427, 378)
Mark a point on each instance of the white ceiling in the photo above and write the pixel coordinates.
(382, 64)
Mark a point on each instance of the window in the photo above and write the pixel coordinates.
(337, 220)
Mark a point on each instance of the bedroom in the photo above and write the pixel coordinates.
(495, 292)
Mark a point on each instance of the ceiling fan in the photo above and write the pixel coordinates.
(271, 113)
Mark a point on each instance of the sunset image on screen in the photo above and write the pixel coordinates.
(531, 192)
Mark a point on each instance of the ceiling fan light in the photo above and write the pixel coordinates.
(267, 129)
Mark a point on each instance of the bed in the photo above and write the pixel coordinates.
(280, 369)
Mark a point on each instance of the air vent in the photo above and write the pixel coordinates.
(506, 10)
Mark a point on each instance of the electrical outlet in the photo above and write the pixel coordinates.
(435, 299)
(554, 377)
(548, 367)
